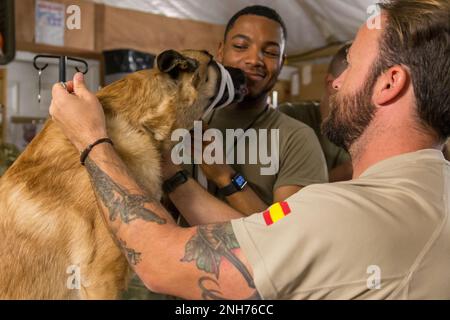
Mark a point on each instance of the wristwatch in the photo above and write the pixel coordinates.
(238, 183)
(175, 181)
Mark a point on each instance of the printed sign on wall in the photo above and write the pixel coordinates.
(49, 23)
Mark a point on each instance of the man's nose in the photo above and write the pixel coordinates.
(254, 57)
(337, 83)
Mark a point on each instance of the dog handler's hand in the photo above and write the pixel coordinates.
(79, 114)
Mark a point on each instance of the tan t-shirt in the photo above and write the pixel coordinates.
(385, 235)
(301, 161)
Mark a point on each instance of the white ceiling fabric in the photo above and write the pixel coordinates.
(310, 23)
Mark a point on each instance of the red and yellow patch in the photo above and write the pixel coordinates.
(276, 212)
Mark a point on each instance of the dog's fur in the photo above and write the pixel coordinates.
(49, 218)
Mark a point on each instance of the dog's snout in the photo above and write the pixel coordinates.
(239, 83)
(238, 76)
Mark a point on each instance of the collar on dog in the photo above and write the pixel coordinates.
(225, 83)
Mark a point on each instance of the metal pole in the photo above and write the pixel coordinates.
(62, 68)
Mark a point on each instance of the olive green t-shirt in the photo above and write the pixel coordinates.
(309, 114)
(384, 235)
(300, 158)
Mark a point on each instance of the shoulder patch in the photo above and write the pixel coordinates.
(276, 212)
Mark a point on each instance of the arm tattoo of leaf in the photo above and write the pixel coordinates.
(207, 247)
(118, 200)
(133, 256)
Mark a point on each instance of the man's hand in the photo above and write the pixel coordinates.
(78, 113)
(220, 174)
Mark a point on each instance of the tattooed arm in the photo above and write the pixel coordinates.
(202, 262)
(193, 263)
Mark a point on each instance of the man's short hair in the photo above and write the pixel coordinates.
(257, 10)
(417, 36)
(339, 62)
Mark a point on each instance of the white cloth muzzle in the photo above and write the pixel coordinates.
(226, 83)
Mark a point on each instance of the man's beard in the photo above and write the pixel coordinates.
(350, 115)
(263, 93)
(250, 98)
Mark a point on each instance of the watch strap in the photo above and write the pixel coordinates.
(228, 190)
(233, 187)
(175, 181)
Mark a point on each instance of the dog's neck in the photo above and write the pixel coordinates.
(139, 150)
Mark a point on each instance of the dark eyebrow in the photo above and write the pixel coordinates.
(272, 43)
(243, 36)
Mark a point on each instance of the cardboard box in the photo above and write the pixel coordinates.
(283, 87)
(311, 82)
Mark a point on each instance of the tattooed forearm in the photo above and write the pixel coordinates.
(133, 256)
(207, 247)
(212, 294)
(119, 201)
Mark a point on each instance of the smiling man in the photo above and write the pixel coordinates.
(383, 235)
(255, 42)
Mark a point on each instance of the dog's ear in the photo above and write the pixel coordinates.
(173, 63)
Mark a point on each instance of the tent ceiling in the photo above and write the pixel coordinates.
(311, 23)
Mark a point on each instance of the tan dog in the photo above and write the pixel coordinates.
(50, 225)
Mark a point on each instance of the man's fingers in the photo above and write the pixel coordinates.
(69, 85)
(58, 90)
(79, 86)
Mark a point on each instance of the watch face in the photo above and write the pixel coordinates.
(240, 181)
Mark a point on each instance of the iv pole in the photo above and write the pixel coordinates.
(62, 68)
(62, 65)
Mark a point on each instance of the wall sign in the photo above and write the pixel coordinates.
(50, 23)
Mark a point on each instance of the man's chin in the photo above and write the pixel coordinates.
(255, 94)
(334, 131)
(250, 98)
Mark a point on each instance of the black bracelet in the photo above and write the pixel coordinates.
(86, 151)
(176, 180)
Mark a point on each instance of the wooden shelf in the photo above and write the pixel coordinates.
(24, 120)
(39, 48)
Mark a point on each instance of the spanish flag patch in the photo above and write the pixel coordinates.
(276, 212)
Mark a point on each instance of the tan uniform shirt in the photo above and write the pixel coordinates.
(385, 235)
(301, 161)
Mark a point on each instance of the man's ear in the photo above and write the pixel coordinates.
(173, 63)
(390, 85)
(219, 57)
